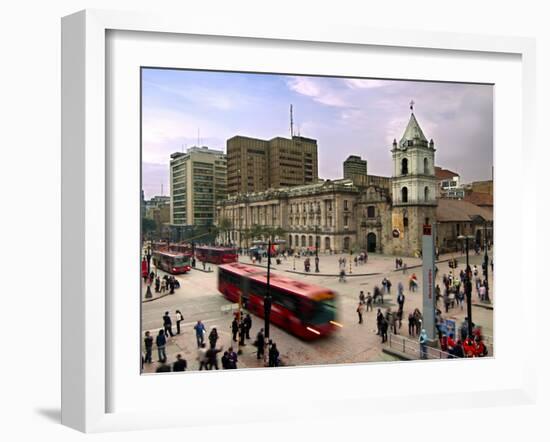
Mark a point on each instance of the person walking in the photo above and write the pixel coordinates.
(342, 277)
(412, 325)
(161, 346)
(225, 361)
(179, 318)
(167, 321)
(273, 355)
(233, 358)
(401, 301)
(213, 337)
(157, 284)
(148, 341)
(384, 329)
(201, 357)
(235, 328)
(361, 297)
(200, 330)
(369, 302)
(242, 332)
(163, 286)
(180, 364)
(247, 325)
(423, 340)
(379, 319)
(260, 344)
(212, 357)
(360, 311)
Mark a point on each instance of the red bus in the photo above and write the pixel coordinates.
(181, 248)
(305, 310)
(171, 262)
(216, 255)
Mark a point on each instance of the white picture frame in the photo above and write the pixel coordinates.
(87, 215)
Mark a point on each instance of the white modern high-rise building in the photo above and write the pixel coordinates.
(198, 180)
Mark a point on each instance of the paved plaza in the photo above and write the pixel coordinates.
(198, 299)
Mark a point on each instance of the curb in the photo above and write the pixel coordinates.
(397, 354)
(351, 275)
(485, 306)
(158, 297)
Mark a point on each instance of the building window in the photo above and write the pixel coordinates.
(327, 243)
(345, 221)
(406, 222)
(404, 166)
(345, 204)
(426, 168)
(426, 193)
(370, 212)
(303, 240)
(404, 195)
(310, 241)
(427, 221)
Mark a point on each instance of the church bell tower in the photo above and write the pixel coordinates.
(414, 188)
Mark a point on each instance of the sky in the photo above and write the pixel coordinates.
(181, 109)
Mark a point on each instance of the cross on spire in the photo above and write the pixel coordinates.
(411, 104)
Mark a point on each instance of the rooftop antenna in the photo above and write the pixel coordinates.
(198, 137)
(291, 123)
(161, 189)
(411, 104)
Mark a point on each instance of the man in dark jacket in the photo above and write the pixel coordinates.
(379, 318)
(233, 358)
(235, 328)
(247, 325)
(242, 332)
(260, 342)
(148, 341)
(212, 356)
(180, 364)
(273, 356)
(161, 346)
(167, 324)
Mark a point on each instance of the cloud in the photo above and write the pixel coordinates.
(318, 90)
(359, 83)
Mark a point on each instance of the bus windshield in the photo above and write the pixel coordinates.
(178, 262)
(319, 312)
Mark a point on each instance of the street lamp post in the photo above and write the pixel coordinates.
(316, 249)
(148, 293)
(486, 263)
(267, 297)
(468, 283)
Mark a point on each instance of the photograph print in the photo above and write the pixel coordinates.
(300, 220)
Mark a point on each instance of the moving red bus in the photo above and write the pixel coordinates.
(305, 310)
(216, 255)
(172, 262)
(181, 248)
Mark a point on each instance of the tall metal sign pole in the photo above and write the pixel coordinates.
(428, 281)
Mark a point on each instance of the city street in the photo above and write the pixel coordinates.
(198, 299)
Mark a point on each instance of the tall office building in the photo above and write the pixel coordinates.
(198, 181)
(354, 166)
(254, 165)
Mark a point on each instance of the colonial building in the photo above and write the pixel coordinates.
(383, 215)
(332, 215)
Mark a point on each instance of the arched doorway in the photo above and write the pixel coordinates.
(327, 243)
(346, 243)
(371, 242)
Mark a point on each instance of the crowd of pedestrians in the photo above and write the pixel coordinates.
(207, 355)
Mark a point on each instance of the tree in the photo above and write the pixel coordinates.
(147, 226)
(224, 226)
